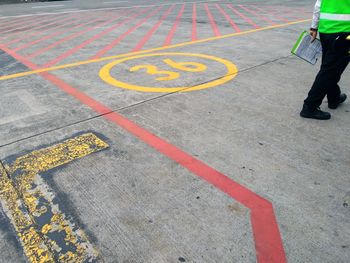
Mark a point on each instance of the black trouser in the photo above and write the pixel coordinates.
(335, 58)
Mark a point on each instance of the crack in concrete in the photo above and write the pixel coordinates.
(134, 105)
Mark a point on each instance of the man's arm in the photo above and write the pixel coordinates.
(315, 20)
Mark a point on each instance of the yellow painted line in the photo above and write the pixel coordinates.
(47, 234)
(85, 62)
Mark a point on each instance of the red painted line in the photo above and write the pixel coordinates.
(194, 22)
(303, 10)
(72, 27)
(290, 9)
(233, 24)
(171, 34)
(290, 12)
(8, 25)
(212, 21)
(41, 32)
(149, 34)
(248, 20)
(257, 15)
(268, 242)
(27, 27)
(72, 20)
(120, 38)
(269, 13)
(87, 42)
(17, 21)
(62, 40)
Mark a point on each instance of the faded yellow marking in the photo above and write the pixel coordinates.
(85, 62)
(45, 159)
(33, 244)
(38, 201)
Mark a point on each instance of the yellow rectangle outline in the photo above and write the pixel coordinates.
(85, 62)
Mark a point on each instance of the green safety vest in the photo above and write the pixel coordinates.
(335, 16)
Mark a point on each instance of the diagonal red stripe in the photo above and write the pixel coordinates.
(270, 13)
(268, 242)
(30, 26)
(120, 38)
(72, 36)
(58, 32)
(212, 21)
(72, 20)
(242, 16)
(153, 29)
(173, 29)
(6, 25)
(18, 21)
(233, 24)
(89, 41)
(257, 15)
(194, 22)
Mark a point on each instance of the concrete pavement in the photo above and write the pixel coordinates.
(100, 167)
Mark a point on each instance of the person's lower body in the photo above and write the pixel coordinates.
(335, 58)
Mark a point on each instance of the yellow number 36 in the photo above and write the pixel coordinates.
(171, 75)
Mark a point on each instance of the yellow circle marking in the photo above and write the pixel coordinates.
(105, 74)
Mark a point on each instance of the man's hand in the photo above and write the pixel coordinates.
(313, 34)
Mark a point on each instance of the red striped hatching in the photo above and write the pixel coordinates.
(174, 27)
(94, 38)
(71, 21)
(121, 37)
(212, 21)
(152, 30)
(232, 23)
(72, 36)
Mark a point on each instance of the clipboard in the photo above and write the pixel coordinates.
(307, 49)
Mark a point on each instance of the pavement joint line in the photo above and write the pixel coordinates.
(109, 8)
(267, 237)
(130, 106)
(85, 62)
(46, 234)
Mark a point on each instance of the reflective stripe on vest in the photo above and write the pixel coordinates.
(335, 17)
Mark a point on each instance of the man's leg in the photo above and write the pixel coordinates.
(333, 65)
(334, 62)
(318, 90)
(342, 48)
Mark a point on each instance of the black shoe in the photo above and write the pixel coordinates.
(314, 113)
(341, 99)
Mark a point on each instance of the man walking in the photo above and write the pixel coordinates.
(332, 20)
